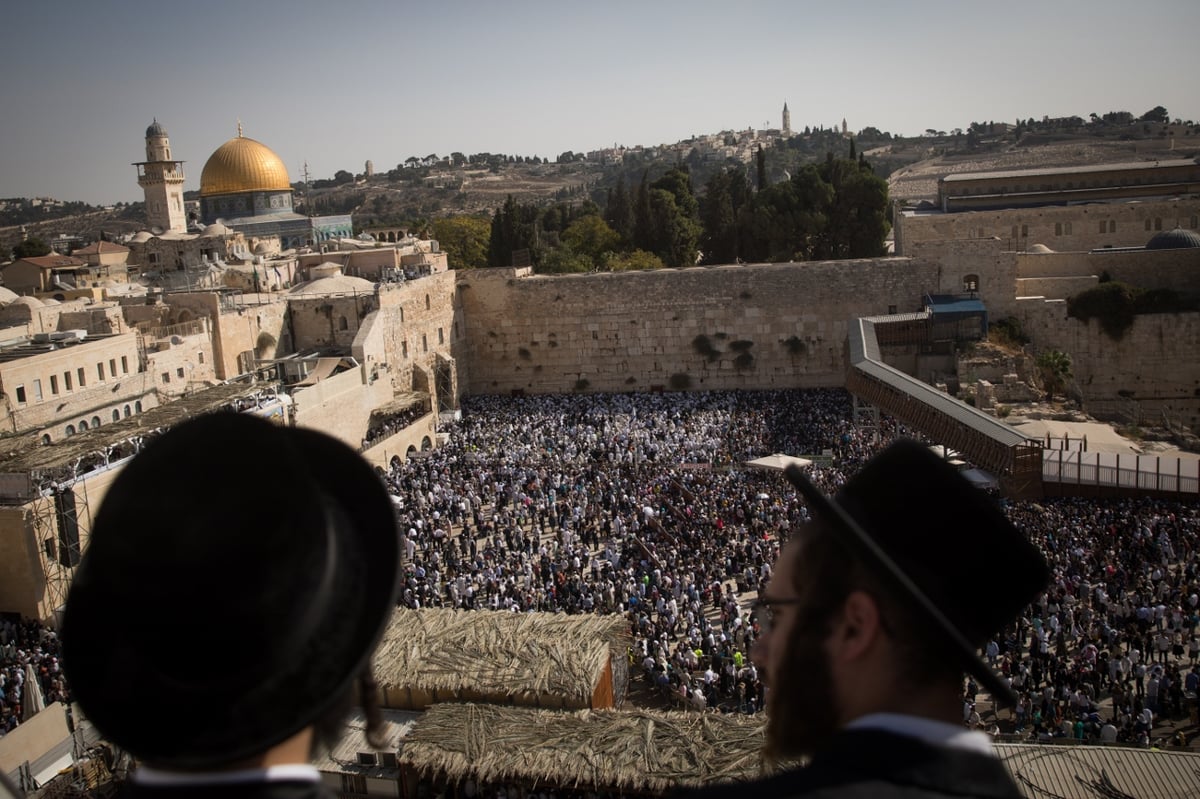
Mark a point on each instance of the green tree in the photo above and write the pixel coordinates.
(564, 260)
(1054, 367)
(719, 218)
(638, 260)
(857, 214)
(674, 233)
(591, 236)
(32, 247)
(643, 225)
(1155, 114)
(464, 239)
(514, 227)
(760, 159)
(618, 211)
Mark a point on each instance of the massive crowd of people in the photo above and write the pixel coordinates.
(27, 648)
(644, 505)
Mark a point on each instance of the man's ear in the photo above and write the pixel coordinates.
(857, 629)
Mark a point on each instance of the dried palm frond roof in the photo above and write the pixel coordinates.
(632, 750)
(498, 653)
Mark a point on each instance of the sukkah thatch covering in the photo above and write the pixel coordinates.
(541, 659)
(642, 750)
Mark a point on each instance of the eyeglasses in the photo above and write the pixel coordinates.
(763, 609)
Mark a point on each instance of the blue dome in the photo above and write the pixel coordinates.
(155, 129)
(1177, 239)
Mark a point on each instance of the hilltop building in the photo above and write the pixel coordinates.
(787, 121)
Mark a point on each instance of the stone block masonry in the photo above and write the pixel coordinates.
(703, 328)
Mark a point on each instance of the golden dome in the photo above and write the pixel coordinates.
(241, 165)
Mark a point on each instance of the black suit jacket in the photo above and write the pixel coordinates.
(874, 763)
(280, 789)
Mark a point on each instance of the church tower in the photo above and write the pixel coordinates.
(787, 121)
(161, 178)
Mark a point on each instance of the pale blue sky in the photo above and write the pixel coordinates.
(337, 82)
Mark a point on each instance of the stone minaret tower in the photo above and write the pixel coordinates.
(161, 178)
(787, 121)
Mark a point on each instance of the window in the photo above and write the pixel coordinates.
(441, 336)
(424, 343)
(124, 365)
(1058, 228)
(112, 367)
(1014, 231)
(1157, 223)
(137, 407)
(21, 394)
(116, 415)
(1147, 224)
(1103, 226)
(427, 302)
(166, 377)
(37, 390)
(95, 421)
(70, 430)
(79, 372)
(343, 324)
(46, 439)
(970, 282)
(1067, 228)
(891, 309)
(67, 380)
(179, 372)
(200, 355)
(127, 411)
(1025, 230)
(53, 384)
(100, 371)
(404, 349)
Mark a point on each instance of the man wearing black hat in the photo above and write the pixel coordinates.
(221, 617)
(875, 610)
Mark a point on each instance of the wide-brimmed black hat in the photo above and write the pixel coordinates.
(237, 578)
(940, 542)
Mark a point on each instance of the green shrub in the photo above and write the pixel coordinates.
(1008, 332)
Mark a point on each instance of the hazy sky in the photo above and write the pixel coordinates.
(337, 82)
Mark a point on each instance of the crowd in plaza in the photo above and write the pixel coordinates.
(28, 650)
(643, 505)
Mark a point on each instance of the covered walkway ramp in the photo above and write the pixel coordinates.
(985, 441)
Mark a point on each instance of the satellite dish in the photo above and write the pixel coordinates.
(156, 230)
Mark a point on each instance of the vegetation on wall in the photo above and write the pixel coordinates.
(1115, 305)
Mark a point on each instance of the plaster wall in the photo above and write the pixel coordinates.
(32, 582)
(341, 405)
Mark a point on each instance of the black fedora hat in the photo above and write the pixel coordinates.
(937, 539)
(237, 578)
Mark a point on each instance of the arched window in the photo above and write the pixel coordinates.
(70, 430)
(127, 412)
(343, 324)
(116, 415)
(95, 421)
(83, 425)
(970, 283)
(137, 407)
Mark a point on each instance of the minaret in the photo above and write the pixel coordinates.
(161, 178)
(787, 121)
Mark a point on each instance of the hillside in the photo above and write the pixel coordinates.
(411, 197)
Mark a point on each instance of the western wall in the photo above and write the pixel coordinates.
(703, 328)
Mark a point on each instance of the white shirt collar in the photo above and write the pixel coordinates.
(147, 775)
(936, 733)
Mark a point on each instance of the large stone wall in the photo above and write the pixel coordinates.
(1151, 370)
(1061, 228)
(760, 326)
